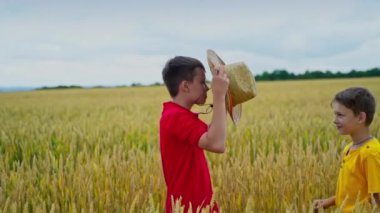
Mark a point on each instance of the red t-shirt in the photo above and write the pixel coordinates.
(184, 163)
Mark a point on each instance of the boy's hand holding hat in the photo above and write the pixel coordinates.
(220, 82)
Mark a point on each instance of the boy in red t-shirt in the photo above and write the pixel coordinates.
(183, 136)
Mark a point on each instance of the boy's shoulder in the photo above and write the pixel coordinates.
(173, 109)
(176, 114)
(371, 148)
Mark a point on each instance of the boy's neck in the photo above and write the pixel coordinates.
(360, 136)
(182, 103)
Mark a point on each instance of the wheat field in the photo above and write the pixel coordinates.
(97, 150)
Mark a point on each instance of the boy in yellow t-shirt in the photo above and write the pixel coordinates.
(359, 174)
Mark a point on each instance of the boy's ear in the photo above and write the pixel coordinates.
(184, 86)
(362, 117)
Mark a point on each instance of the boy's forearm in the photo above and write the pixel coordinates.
(217, 131)
(330, 201)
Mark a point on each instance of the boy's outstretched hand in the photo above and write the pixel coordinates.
(324, 203)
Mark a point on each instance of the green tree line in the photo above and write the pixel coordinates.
(266, 76)
(285, 75)
(61, 87)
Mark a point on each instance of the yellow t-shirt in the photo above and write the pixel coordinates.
(359, 174)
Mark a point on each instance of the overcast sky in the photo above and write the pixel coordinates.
(87, 43)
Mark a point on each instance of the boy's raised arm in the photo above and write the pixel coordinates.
(214, 140)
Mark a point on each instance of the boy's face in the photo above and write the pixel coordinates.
(198, 88)
(345, 120)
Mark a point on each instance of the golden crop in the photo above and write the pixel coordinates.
(97, 150)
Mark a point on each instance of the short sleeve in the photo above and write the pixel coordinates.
(190, 128)
(372, 171)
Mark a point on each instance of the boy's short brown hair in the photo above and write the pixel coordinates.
(358, 99)
(178, 69)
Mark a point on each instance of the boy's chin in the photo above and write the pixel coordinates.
(342, 132)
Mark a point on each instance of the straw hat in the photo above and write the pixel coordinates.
(242, 85)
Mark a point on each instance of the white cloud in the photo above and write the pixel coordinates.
(117, 70)
(122, 42)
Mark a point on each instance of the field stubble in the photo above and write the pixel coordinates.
(97, 150)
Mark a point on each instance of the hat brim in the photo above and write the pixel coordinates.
(234, 111)
(214, 62)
